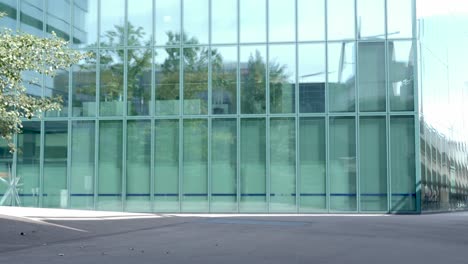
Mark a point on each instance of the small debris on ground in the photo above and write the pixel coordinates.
(61, 254)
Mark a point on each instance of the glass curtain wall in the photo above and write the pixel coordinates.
(224, 106)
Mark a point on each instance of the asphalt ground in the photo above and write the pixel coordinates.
(436, 238)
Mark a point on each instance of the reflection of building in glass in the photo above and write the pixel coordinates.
(319, 114)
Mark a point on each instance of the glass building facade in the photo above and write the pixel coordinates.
(234, 106)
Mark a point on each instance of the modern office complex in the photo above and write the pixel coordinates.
(246, 106)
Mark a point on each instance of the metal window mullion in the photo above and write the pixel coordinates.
(152, 164)
(296, 98)
(209, 136)
(96, 164)
(124, 130)
(327, 115)
(416, 108)
(267, 112)
(238, 112)
(97, 122)
(357, 110)
(181, 106)
(14, 165)
(209, 110)
(69, 162)
(41, 163)
(152, 110)
(18, 14)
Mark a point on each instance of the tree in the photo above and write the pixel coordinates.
(24, 52)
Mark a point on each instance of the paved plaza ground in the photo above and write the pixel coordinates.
(62, 236)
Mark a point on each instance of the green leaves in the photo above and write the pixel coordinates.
(24, 52)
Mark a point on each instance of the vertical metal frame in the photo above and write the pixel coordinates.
(297, 109)
(238, 112)
(267, 110)
(181, 107)
(327, 114)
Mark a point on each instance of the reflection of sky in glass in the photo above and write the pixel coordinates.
(311, 19)
(371, 18)
(284, 56)
(340, 19)
(140, 15)
(252, 20)
(112, 14)
(167, 19)
(196, 19)
(224, 21)
(281, 19)
(312, 63)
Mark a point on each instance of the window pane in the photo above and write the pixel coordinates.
(224, 21)
(82, 165)
(340, 19)
(373, 163)
(140, 19)
(31, 15)
(196, 21)
(224, 80)
(253, 79)
(85, 23)
(111, 83)
(312, 164)
(167, 81)
(7, 195)
(253, 166)
(196, 81)
(283, 165)
(281, 17)
(311, 19)
(55, 165)
(342, 140)
(341, 76)
(112, 23)
(138, 81)
(402, 164)
(195, 180)
(27, 165)
(166, 166)
(252, 21)
(84, 87)
(58, 18)
(58, 86)
(224, 166)
(10, 8)
(371, 19)
(167, 25)
(282, 74)
(312, 75)
(110, 166)
(399, 16)
(400, 56)
(138, 166)
(371, 76)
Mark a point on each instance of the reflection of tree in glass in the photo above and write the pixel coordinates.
(254, 83)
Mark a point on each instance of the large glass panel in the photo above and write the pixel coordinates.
(138, 166)
(402, 163)
(85, 23)
(196, 21)
(399, 17)
(84, 87)
(342, 76)
(371, 19)
(312, 76)
(253, 79)
(282, 77)
(82, 165)
(224, 166)
(282, 20)
(311, 20)
(371, 69)
(252, 20)
(401, 72)
(9, 7)
(167, 64)
(342, 141)
(224, 21)
(140, 19)
(58, 18)
(253, 166)
(340, 18)
(31, 15)
(110, 166)
(7, 182)
(27, 164)
(55, 165)
(283, 164)
(312, 182)
(138, 81)
(112, 19)
(195, 179)
(224, 80)
(111, 83)
(166, 166)
(167, 22)
(196, 80)
(373, 163)
(57, 86)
